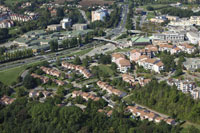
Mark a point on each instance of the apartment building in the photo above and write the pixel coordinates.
(66, 23)
(6, 23)
(151, 64)
(169, 36)
(99, 14)
(186, 86)
(122, 63)
(187, 48)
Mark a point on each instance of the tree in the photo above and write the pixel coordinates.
(29, 82)
(178, 72)
(54, 45)
(77, 60)
(114, 66)
(85, 62)
(20, 92)
(149, 8)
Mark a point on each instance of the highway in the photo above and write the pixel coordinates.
(114, 32)
(38, 58)
(121, 26)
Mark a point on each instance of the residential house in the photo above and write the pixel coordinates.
(44, 79)
(50, 71)
(151, 64)
(166, 47)
(172, 18)
(170, 121)
(116, 56)
(142, 81)
(53, 12)
(110, 89)
(85, 95)
(129, 79)
(149, 115)
(6, 100)
(122, 63)
(86, 73)
(6, 23)
(187, 48)
(33, 93)
(135, 55)
(175, 50)
(195, 93)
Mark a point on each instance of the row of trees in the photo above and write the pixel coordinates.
(179, 12)
(129, 22)
(16, 55)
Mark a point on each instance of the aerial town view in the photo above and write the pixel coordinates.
(99, 66)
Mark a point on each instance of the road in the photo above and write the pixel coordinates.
(38, 58)
(142, 20)
(84, 16)
(100, 50)
(121, 26)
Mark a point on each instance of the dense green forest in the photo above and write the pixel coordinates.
(24, 116)
(169, 100)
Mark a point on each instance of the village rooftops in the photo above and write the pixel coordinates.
(110, 89)
(7, 100)
(85, 95)
(124, 62)
(117, 55)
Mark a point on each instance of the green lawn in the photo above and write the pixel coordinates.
(150, 15)
(11, 75)
(106, 69)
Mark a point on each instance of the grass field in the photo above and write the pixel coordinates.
(106, 69)
(11, 75)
